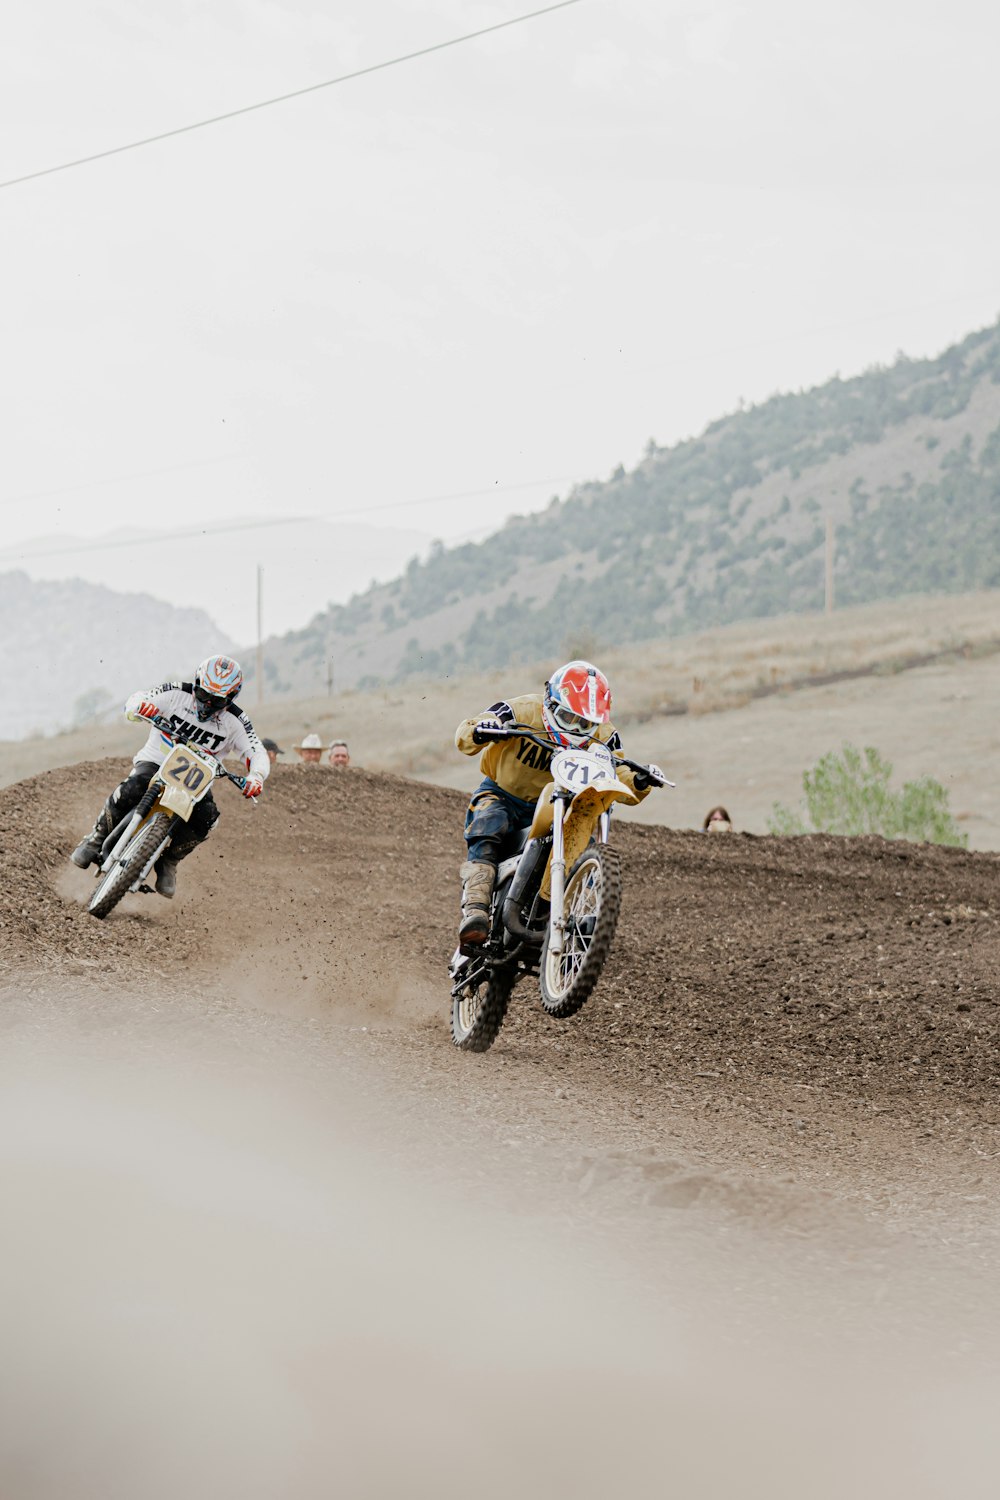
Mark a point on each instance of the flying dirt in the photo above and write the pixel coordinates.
(263, 1214)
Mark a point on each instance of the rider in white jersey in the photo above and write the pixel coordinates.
(203, 713)
(224, 734)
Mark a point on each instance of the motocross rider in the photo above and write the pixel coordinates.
(574, 710)
(203, 713)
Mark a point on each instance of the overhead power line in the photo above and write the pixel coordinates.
(156, 540)
(94, 484)
(494, 489)
(9, 555)
(311, 88)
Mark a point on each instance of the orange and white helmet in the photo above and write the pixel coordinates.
(216, 683)
(577, 701)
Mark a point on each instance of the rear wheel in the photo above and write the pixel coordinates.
(128, 866)
(592, 902)
(478, 1011)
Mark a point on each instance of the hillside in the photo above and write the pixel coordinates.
(729, 526)
(81, 649)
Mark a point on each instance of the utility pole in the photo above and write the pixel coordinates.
(260, 635)
(329, 677)
(830, 543)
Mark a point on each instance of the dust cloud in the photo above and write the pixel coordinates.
(231, 1268)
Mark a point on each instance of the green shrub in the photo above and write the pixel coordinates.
(850, 794)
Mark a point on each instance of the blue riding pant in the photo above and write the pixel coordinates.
(492, 817)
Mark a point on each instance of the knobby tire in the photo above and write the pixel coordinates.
(475, 1024)
(565, 1000)
(120, 880)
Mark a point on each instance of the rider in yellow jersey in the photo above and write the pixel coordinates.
(574, 710)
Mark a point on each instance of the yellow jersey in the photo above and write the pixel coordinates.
(519, 767)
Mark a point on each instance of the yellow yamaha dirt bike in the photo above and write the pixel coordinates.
(132, 848)
(556, 898)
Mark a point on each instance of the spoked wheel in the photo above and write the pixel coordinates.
(478, 1010)
(125, 871)
(592, 902)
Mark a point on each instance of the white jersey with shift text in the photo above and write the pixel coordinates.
(228, 733)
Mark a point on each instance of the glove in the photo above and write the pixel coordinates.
(146, 710)
(652, 776)
(487, 730)
(253, 786)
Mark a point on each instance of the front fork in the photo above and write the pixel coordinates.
(557, 919)
(129, 830)
(120, 841)
(557, 916)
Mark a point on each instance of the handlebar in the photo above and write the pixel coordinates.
(525, 732)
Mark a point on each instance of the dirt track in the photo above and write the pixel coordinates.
(795, 1047)
(863, 971)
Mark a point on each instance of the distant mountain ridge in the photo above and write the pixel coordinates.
(76, 650)
(904, 460)
(307, 564)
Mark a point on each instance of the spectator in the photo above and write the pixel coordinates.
(717, 821)
(273, 750)
(339, 754)
(310, 750)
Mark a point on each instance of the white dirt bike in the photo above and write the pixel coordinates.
(132, 848)
(556, 899)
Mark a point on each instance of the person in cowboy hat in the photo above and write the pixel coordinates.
(310, 750)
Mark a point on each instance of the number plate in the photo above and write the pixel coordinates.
(188, 772)
(576, 769)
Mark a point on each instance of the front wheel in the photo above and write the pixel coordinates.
(478, 1011)
(592, 902)
(129, 865)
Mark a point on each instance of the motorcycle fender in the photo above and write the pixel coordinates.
(581, 820)
(541, 823)
(176, 800)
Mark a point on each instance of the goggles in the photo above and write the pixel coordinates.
(208, 700)
(571, 723)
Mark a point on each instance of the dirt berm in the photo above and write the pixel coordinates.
(823, 988)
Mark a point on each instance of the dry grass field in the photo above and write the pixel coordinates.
(733, 715)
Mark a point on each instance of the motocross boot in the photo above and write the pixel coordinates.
(477, 892)
(88, 850)
(166, 865)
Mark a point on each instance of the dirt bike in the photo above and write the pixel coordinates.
(556, 899)
(132, 848)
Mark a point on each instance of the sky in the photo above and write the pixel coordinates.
(436, 295)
